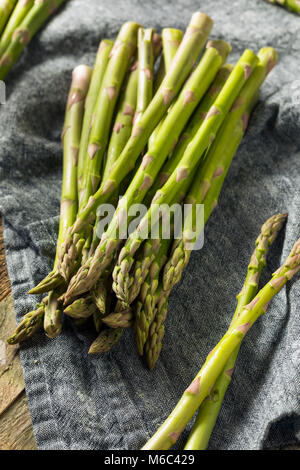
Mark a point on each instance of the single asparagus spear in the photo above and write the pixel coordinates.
(69, 196)
(81, 308)
(100, 65)
(16, 18)
(167, 136)
(153, 345)
(122, 319)
(171, 40)
(211, 172)
(199, 389)
(145, 71)
(190, 131)
(204, 137)
(187, 53)
(6, 8)
(144, 308)
(120, 57)
(210, 408)
(33, 21)
(53, 315)
(292, 5)
(106, 340)
(49, 311)
(30, 324)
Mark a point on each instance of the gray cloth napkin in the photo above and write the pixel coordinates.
(113, 401)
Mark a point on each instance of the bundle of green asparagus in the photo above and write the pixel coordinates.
(151, 127)
(20, 20)
(291, 5)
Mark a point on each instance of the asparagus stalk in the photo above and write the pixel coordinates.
(187, 53)
(199, 389)
(33, 21)
(120, 57)
(292, 5)
(106, 340)
(190, 131)
(18, 14)
(145, 306)
(204, 137)
(145, 71)
(122, 319)
(167, 136)
(226, 150)
(6, 8)
(29, 325)
(120, 134)
(171, 40)
(100, 65)
(53, 315)
(69, 197)
(212, 173)
(210, 408)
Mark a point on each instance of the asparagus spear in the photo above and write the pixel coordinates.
(190, 131)
(203, 188)
(124, 120)
(153, 345)
(145, 306)
(49, 310)
(292, 5)
(187, 53)
(120, 134)
(100, 65)
(171, 41)
(106, 340)
(204, 137)
(168, 134)
(145, 71)
(33, 21)
(69, 197)
(16, 18)
(6, 8)
(30, 324)
(53, 315)
(199, 389)
(210, 408)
